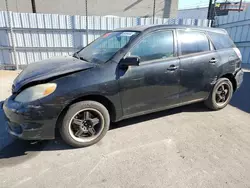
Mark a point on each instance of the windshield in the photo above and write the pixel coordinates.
(103, 48)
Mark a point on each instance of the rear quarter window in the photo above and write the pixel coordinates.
(221, 40)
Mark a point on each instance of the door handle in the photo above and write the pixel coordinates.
(172, 68)
(213, 60)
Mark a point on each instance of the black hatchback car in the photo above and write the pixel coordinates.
(124, 73)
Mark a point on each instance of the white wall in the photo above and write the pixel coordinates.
(16, 5)
(195, 13)
(138, 8)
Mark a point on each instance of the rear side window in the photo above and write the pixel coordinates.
(192, 42)
(221, 41)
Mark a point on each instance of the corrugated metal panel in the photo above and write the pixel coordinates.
(32, 21)
(25, 20)
(40, 36)
(2, 20)
(245, 54)
(238, 30)
(244, 34)
(47, 21)
(237, 25)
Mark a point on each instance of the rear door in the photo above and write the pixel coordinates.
(154, 84)
(231, 58)
(198, 65)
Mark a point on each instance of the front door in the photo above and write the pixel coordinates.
(154, 84)
(198, 65)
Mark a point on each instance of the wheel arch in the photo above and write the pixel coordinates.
(232, 79)
(95, 97)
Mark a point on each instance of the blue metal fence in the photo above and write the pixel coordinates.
(237, 25)
(40, 36)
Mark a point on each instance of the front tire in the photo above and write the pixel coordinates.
(85, 123)
(220, 95)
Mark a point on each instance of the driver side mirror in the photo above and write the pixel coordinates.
(129, 61)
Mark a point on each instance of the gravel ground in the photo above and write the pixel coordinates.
(184, 147)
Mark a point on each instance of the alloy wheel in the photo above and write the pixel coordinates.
(222, 94)
(86, 125)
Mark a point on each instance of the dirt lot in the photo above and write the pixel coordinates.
(184, 147)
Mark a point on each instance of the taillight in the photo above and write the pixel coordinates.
(237, 51)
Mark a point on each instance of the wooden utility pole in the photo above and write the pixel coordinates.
(33, 4)
(209, 9)
(214, 11)
(154, 12)
(240, 5)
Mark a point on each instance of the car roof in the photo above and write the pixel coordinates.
(142, 28)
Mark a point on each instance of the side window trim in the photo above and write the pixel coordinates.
(179, 42)
(175, 54)
(211, 44)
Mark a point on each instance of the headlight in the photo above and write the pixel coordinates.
(35, 92)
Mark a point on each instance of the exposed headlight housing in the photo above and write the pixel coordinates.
(36, 92)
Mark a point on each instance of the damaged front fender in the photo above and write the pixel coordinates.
(49, 69)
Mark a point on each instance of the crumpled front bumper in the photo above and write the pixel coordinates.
(31, 121)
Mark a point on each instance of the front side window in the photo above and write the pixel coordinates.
(158, 45)
(192, 42)
(103, 48)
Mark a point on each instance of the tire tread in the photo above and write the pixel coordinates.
(77, 107)
(210, 103)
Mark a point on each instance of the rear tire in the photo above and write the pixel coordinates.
(81, 120)
(216, 100)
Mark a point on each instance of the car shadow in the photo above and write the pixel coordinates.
(20, 150)
(241, 98)
(198, 107)
(5, 139)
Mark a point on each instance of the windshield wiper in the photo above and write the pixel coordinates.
(82, 58)
(76, 55)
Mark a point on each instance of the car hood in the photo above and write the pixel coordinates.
(49, 68)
